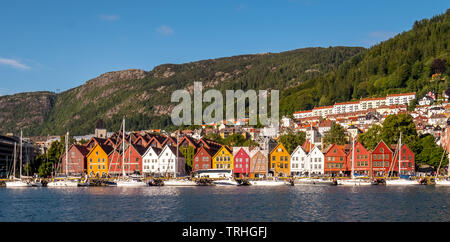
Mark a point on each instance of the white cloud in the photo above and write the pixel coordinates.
(109, 17)
(165, 30)
(13, 63)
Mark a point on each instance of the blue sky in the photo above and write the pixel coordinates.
(57, 45)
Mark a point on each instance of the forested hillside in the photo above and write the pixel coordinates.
(404, 63)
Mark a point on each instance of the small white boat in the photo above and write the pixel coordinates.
(442, 182)
(63, 183)
(313, 181)
(226, 182)
(269, 183)
(401, 182)
(18, 183)
(130, 183)
(354, 182)
(36, 183)
(175, 182)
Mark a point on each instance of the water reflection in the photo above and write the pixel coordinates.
(221, 203)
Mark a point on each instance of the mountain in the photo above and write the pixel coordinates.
(306, 78)
(404, 63)
(144, 97)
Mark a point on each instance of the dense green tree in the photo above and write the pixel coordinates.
(46, 169)
(371, 137)
(336, 135)
(291, 140)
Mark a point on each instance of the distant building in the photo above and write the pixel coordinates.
(100, 129)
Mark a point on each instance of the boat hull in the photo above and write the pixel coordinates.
(313, 182)
(354, 182)
(269, 183)
(179, 183)
(17, 184)
(442, 183)
(226, 183)
(401, 182)
(130, 184)
(62, 184)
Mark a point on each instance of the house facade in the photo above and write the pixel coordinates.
(259, 162)
(241, 159)
(77, 162)
(223, 159)
(279, 161)
(381, 159)
(362, 163)
(299, 164)
(97, 160)
(335, 160)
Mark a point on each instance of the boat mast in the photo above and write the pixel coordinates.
(310, 158)
(353, 159)
(123, 148)
(399, 155)
(67, 154)
(15, 155)
(20, 174)
(176, 161)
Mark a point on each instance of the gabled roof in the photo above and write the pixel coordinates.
(382, 143)
(297, 149)
(155, 149)
(96, 140)
(306, 146)
(106, 148)
(83, 149)
(190, 140)
(340, 149)
(237, 149)
(211, 152)
(173, 150)
(279, 145)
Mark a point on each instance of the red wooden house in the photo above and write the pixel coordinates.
(335, 160)
(241, 159)
(362, 164)
(133, 160)
(381, 159)
(406, 161)
(203, 158)
(77, 161)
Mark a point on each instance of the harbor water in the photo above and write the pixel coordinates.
(226, 204)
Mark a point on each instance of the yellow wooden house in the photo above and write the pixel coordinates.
(223, 159)
(97, 160)
(279, 161)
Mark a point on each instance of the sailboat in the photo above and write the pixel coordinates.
(354, 181)
(178, 182)
(400, 181)
(275, 182)
(17, 182)
(127, 181)
(64, 182)
(444, 181)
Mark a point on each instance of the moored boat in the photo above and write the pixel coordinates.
(313, 181)
(226, 182)
(401, 182)
(269, 183)
(176, 182)
(63, 183)
(354, 182)
(18, 183)
(442, 182)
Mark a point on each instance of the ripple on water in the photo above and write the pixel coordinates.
(252, 204)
